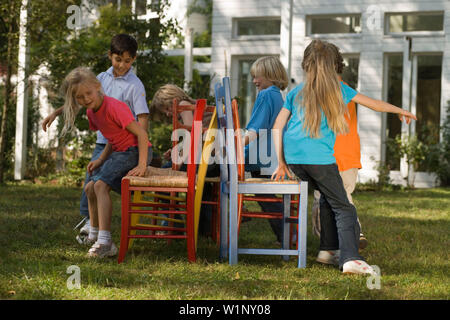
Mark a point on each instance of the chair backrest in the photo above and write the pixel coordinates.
(239, 141)
(177, 109)
(195, 143)
(228, 169)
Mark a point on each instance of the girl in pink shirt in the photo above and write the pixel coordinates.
(125, 154)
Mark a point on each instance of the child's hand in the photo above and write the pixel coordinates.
(137, 171)
(408, 116)
(48, 121)
(94, 165)
(281, 171)
(167, 155)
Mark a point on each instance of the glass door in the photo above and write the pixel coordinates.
(413, 81)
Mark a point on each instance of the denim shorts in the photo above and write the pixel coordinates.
(117, 166)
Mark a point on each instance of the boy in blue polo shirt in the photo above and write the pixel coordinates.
(269, 76)
(121, 83)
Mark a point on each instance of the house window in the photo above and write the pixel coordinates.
(246, 90)
(417, 21)
(350, 72)
(141, 7)
(428, 97)
(334, 24)
(249, 27)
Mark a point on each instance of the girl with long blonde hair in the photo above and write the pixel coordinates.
(314, 112)
(126, 153)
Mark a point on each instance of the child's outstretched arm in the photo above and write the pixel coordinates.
(50, 118)
(277, 133)
(382, 106)
(142, 136)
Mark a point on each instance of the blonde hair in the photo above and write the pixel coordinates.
(271, 69)
(69, 88)
(163, 98)
(322, 90)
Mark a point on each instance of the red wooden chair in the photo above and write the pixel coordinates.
(166, 181)
(139, 197)
(207, 123)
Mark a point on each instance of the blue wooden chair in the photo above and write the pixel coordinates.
(231, 187)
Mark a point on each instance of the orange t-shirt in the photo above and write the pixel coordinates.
(347, 149)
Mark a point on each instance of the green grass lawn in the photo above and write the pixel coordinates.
(408, 234)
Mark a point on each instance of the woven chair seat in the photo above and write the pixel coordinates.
(268, 181)
(160, 177)
(158, 181)
(164, 177)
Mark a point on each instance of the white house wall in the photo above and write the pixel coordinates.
(371, 45)
(225, 48)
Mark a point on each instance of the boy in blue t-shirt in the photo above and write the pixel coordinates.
(121, 83)
(269, 76)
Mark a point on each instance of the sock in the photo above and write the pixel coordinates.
(93, 233)
(104, 237)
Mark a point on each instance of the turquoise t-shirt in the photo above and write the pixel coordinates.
(299, 147)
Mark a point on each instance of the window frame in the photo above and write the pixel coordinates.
(387, 16)
(236, 20)
(309, 18)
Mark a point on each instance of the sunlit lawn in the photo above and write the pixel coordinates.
(408, 234)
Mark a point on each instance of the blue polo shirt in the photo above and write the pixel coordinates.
(127, 88)
(265, 110)
(299, 147)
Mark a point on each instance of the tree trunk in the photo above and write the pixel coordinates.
(8, 94)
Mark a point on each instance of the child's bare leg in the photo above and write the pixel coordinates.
(92, 204)
(93, 213)
(104, 205)
(104, 247)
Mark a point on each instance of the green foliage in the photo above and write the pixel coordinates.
(424, 152)
(41, 162)
(412, 149)
(160, 137)
(438, 154)
(62, 49)
(10, 132)
(203, 7)
(202, 40)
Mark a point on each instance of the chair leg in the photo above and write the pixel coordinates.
(286, 229)
(302, 224)
(217, 216)
(223, 224)
(233, 242)
(137, 197)
(190, 229)
(125, 219)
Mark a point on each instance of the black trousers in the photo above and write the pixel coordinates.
(339, 223)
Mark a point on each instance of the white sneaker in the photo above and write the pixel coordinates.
(102, 250)
(84, 240)
(328, 257)
(357, 267)
(86, 228)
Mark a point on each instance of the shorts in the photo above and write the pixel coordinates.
(117, 166)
